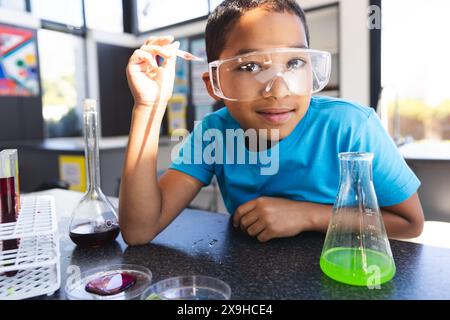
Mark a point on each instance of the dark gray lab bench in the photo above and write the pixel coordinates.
(205, 243)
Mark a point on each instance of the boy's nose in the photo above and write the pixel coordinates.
(277, 87)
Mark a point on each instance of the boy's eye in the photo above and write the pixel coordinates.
(295, 64)
(250, 67)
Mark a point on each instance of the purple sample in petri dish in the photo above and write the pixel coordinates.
(111, 284)
(115, 282)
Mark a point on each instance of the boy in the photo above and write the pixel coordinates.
(305, 133)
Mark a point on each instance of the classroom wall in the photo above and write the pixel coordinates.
(116, 99)
(21, 118)
(355, 51)
(434, 176)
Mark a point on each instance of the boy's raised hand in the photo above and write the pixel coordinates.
(152, 84)
(267, 218)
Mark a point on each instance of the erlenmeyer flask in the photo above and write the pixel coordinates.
(356, 249)
(94, 220)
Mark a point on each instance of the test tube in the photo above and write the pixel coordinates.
(12, 155)
(9, 196)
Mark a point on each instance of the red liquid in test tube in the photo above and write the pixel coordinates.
(8, 198)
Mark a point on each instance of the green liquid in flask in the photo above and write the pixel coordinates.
(347, 265)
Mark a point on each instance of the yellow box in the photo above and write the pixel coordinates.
(72, 169)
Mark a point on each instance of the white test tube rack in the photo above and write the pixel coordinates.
(37, 258)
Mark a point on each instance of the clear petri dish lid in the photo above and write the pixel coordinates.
(188, 288)
(103, 283)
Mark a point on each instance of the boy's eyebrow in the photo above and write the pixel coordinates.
(244, 51)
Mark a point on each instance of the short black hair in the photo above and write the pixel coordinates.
(224, 17)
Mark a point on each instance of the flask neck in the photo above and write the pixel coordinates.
(92, 151)
(356, 188)
(356, 171)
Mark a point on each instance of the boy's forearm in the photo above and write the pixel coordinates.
(140, 197)
(319, 215)
(399, 227)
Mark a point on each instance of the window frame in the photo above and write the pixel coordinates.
(24, 3)
(79, 32)
(62, 27)
(128, 11)
(129, 26)
(178, 24)
(375, 59)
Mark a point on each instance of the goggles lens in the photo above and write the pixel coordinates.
(254, 75)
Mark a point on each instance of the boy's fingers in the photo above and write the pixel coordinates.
(161, 41)
(171, 61)
(140, 67)
(255, 228)
(140, 56)
(264, 236)
(158, 50)
(247, 220)
(243, 210)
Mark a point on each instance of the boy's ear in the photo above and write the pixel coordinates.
(207, 81)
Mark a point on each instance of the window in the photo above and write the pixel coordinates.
(68, 12)
(415, 68)
(213, 4)
(324, 35)
(13, 4)
(153, 14)
(105, 15)
(63, 82)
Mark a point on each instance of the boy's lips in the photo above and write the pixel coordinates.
(276, 115)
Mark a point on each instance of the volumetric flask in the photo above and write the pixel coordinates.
(94, 220)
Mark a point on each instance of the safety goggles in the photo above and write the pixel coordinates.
(254, 75)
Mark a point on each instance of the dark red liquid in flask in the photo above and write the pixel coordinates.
(83, 236)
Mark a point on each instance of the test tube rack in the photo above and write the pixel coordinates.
(37, 258)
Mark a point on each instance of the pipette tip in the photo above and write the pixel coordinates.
(189, 56)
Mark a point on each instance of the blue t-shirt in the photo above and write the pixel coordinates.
(303, 166)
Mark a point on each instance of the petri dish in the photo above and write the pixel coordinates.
(188, 288)
(76, 287)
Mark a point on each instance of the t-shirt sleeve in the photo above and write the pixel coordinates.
(190, 158)
(393, 180)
